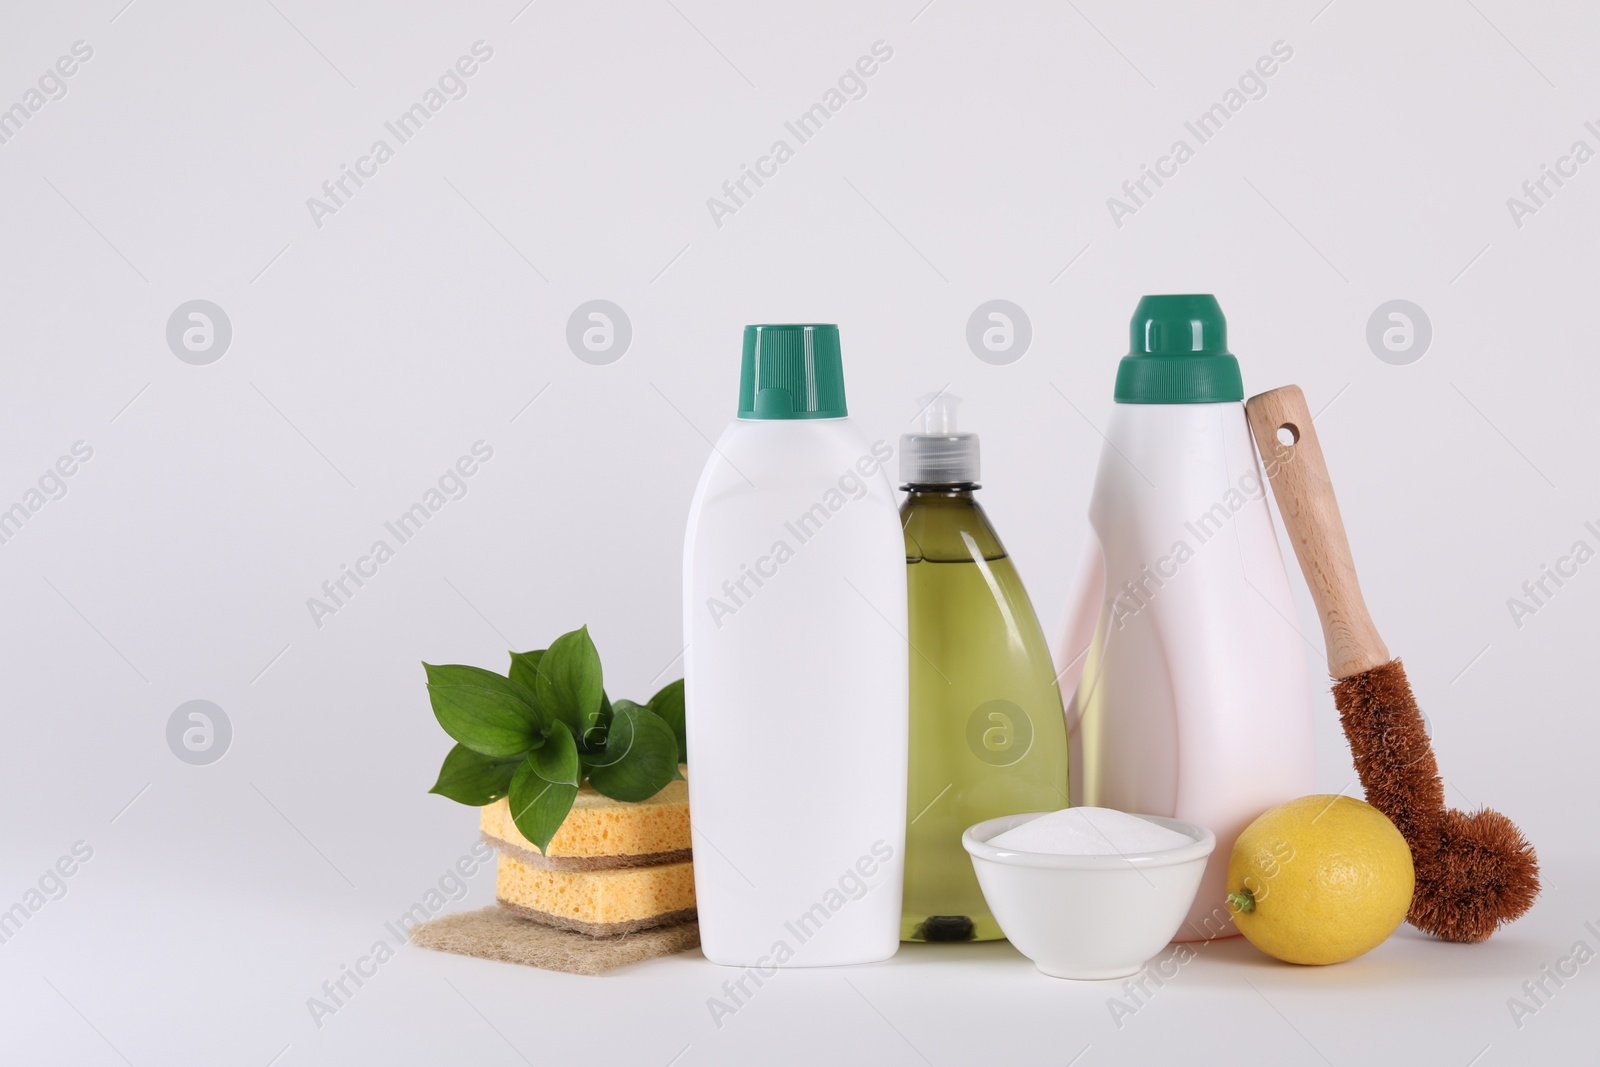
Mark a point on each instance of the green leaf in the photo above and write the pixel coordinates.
(641, 755)
(668, 704)
(489, 714)
(468, 777)
(624, 704)
(568, 681)
(525, 669)
(592, 745)
(556, 761)
(539, 807)
(593, 738)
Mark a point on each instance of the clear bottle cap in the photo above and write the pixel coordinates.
(938, 454)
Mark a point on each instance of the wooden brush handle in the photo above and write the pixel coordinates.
(1310, 512)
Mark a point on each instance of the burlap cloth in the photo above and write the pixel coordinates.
(496, 933)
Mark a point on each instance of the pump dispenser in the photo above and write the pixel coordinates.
(938, 455)
(987, 734)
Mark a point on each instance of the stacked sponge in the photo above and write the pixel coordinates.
(612, 868)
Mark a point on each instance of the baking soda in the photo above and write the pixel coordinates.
(1090, 832)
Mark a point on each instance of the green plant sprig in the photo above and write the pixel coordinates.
(535, 733)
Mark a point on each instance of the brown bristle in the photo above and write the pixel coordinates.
(1475, 871)
(1484, 874)
(1392, 755)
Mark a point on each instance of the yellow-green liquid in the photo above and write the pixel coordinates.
(988, 737)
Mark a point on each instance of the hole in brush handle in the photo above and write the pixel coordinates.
(1288, 435)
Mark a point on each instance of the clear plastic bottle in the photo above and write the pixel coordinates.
(988, 736)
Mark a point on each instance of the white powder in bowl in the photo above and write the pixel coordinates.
(1089, 832)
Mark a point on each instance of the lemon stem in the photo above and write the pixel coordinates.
(1244, 900)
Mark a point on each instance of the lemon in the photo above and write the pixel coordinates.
(1320, 880)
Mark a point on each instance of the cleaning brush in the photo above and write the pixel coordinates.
(1474, 871)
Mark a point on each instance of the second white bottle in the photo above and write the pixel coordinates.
(1182, 668)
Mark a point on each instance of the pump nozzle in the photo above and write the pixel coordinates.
(939, 454)
(938, 412)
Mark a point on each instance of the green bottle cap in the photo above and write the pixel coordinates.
(792, 371)
(1178, 354)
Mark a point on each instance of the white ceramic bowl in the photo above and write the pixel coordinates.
(1088, 917)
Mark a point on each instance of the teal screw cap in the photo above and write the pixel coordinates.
(1178, 354)
(792, 371)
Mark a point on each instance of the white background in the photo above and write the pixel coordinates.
(372, 351)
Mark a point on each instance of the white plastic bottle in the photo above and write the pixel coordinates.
(796, 671)
(1184, 675)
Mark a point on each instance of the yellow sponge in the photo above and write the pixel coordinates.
(600, 833)
(601, 903)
